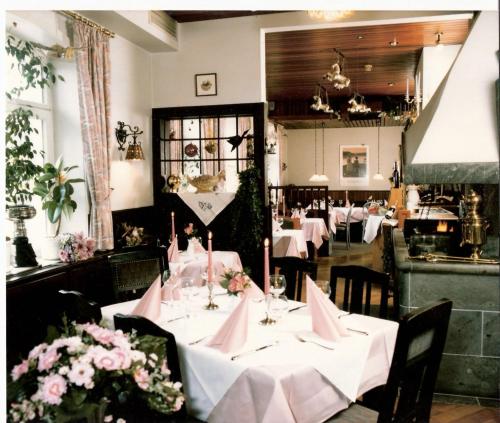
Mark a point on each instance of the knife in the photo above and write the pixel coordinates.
(234, 357)
(297, 308)
(358, 331)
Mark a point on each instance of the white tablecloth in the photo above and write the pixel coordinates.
(289, 242)
(207, 205)
(288, 382)
(315, 230)
(195, 265)
(339, 215)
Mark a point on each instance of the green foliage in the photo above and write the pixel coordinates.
(56, 189)
(19, 152)
(247, 224)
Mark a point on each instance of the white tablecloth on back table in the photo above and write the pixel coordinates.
(339, 215)
(288, 382)
(290, 243)
(195, 265)
(315, 230)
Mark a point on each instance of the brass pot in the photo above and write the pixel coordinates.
(18, 214)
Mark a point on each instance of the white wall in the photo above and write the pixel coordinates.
(300, 157)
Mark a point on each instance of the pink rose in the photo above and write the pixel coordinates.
(124, 357)
(54, 387)
(36, 351)
(81, 373)
(47, 359)
(20, 370)
(141, 376)
(105, 359)
(64, 256)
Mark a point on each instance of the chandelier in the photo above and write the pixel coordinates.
(329, 15)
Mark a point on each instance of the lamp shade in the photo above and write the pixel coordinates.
(322, 178)
(378, 177)
(314, 178)
(134, 152)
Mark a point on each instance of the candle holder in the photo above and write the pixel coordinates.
(267, 321)
(211, 305)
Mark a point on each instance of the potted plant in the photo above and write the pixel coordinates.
(56, 189)
(20, 154)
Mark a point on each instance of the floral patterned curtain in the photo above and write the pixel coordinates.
(93, 69)
(175, 147)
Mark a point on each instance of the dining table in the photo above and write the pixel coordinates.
(339, 215)
(283, 373)
(315, 230)
(289, 243)
(196, 264)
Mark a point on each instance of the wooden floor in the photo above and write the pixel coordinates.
(363, 255)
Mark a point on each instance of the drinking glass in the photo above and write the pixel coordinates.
(341, 202)
(279, 219)
(325, 287)
(278, 307)
(187, 287)
(277, 285)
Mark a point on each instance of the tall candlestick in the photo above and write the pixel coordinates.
(267, 285)
(173, 226)
(209, 270)
(284, 206)
(407, 97)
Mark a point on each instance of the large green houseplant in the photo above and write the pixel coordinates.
(21, 168)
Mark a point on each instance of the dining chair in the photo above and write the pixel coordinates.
(77, 308)
(346, 228)
(137, 413)
(134, 271)
(358, 281)
(407, 396)
(294, 269)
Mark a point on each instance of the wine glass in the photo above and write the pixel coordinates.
(325, 287)
(187, 288)
(277, 285)
(341, 202)
(278, 307)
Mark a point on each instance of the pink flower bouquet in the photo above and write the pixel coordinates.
(234, 281)
(75, 247)
(90, 365)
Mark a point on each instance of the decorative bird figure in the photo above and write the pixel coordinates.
(236, 140)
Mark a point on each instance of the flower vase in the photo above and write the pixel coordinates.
(50, 248)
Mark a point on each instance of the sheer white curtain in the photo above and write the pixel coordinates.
(209, 130)
(175, 147)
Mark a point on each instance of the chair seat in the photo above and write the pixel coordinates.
(355, 414)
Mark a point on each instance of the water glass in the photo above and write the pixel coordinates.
(278, 307)
(188, 288)
(277, 285)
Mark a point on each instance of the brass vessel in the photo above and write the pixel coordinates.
(474, 225)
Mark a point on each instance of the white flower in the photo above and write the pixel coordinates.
(81, 373)
(108, 418)
(63, 370)
(53, 388)
(35, 352)
(120, 420)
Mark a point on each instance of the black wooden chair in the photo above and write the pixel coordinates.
(137, 413)
(294, 269)
(134, 271)
(407, 396)
(358, 281)
(77, 308)
(346, 228)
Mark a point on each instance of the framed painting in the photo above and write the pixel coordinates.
(206, 84)
(354, 169)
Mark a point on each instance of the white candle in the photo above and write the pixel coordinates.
(173, 226)
(284, 206)
(407, 89)
(267, 284)
(209, 270)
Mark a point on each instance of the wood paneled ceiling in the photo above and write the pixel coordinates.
(297, 60)
(182, 16)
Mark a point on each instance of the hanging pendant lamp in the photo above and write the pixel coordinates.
(323, 177)
(378, 176)
(315, 177)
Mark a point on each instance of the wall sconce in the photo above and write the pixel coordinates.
(134, 150)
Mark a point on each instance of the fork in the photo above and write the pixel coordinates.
(312, 341)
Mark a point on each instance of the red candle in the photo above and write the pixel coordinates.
(209, 270)
(267, 284)
(173, 226)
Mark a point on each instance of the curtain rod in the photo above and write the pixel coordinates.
(78, 17)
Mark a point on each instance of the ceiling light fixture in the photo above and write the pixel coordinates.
(360, 37)
(368, 67)
(438, 39)
(391, 84)
(329, 15)
(378, 176)
(315, 176)
(323, 177)
(394, 42)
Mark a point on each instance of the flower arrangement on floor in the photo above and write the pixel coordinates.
(87, 366)
(75, 247)
(234, 281)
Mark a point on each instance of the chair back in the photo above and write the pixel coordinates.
(358, 288)
(77, 308)
(419, 347)
(294, 269)
(145, 326)
(349, 214)
(134, 271)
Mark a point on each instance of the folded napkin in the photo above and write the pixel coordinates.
(149, 305)
(173, 251)
(324, 314)
(233, 333)
(198, 248)
(254, 292)
(170, 292)
(303, 214)
(295, 214)
(276, 226)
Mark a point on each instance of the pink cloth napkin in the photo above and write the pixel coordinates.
(276, 226)
(173, 252)
(233, 333)
(150, 304)
(198, 248)
(170, 292)
(324, 313)
(254, 292)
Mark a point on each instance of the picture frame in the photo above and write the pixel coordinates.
(205, 84)
(354, 165)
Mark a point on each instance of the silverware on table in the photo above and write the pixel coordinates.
(297, 308)
(197, 341)
(234, 357)
(177, 318)
(358, 331)
(312, 341)
(343, 315)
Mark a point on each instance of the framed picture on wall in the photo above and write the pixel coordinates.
(354, 169)
(206, 84)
